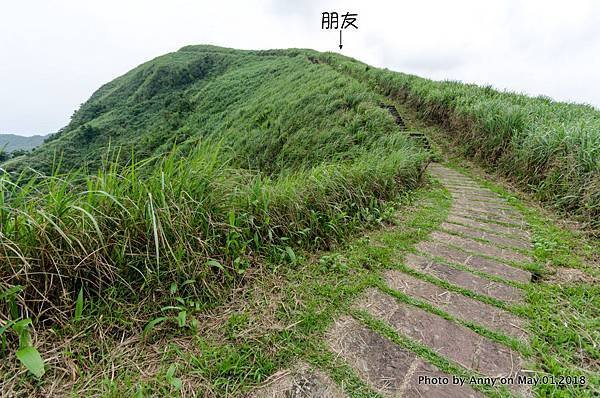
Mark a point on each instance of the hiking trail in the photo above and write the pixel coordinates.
(475, 252)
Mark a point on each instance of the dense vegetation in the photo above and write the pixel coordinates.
(550, 148)
(191, 169)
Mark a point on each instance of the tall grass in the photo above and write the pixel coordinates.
(550, 148)
(195, 218)
(240, 155)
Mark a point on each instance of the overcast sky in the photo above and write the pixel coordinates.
(54, 54)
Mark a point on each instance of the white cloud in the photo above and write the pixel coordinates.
(56, 53)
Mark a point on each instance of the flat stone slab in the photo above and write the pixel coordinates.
(488, 217)
(464, 279)
(471, 191)
(441, 171)
(502, 229)
(479, 198)
(390, 369)
(462, 182)
(457, 305)
(475, 262)
(466, 188)
(459, 182)
(456, 177)
(435, 168)
(489, 236)
(479, 247)
(300, 382)
(489, 206)
(482, 202)
(451, 340)
(507, 214)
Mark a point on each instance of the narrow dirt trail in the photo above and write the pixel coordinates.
(474, 253)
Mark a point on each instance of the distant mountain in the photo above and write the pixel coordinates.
(12, 142)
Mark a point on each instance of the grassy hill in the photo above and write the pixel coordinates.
(195, 167)
(549, 148)
(210, 177)
(273, 111)
(13, 142)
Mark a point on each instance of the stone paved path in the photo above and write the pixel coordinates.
(475, 249)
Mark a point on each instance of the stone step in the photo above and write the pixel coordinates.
(479, 247)
(495, 212)
(482, 264)
(468, 188)
(394, 112)
(453, 341)
(481, 193)
(390, 369)
(489, 206)
(520, 232)
(472, 192)
(464, 279)
(477, 195)
(455, 180)
(299, 382)
(488, 217)
(457, 305)
(478, 198)
(454, 176)
(481, 207)
(441, 171)
(458, 180)
(489, 236)
(455, 183)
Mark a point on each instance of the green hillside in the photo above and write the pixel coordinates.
(549, 148)
(196, 166)
(204, 219)
(274, 111)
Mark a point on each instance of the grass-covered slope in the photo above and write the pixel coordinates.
(191, 169)
(274, 111)
(138, 110)
(550, 148)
